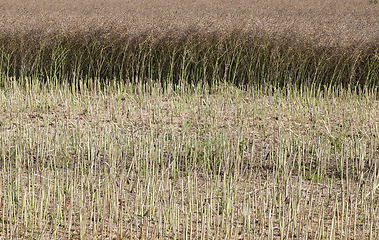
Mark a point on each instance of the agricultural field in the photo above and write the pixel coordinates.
(189, 120)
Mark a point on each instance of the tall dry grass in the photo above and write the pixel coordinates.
(337, 23)
(313, 41)
(122, 119)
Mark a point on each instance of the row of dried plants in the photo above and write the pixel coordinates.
(238, 58)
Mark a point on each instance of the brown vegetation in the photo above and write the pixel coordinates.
(325, 23)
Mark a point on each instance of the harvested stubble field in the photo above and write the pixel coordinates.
(189, 120)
